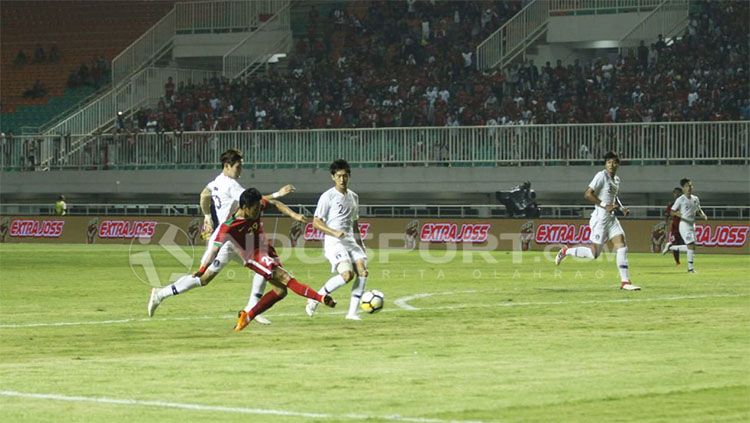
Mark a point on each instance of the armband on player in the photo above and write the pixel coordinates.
(276, 195)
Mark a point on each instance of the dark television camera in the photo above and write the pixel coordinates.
(519, 201)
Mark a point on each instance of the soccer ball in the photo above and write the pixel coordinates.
(372, 301)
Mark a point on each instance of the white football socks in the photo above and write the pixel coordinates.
(358, 288)
(580, 252)
(333, 284)
(259, 286)
(690, 255)
(622, 264)
(181, 285)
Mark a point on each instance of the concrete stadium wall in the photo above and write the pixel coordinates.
(576, 29)
(646, 185)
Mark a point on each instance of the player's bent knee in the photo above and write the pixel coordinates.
(362, 273)
(207, 277)
(281, 276)
(348, 275)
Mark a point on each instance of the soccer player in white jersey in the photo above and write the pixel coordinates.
(224, 191)
(602, 192)
(686, 207)
(337, 216)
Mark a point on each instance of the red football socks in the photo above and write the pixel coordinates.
(266, 301)
(303, 290)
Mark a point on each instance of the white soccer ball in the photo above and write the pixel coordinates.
(372, 301)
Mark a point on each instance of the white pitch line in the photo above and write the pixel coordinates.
(400, 302)
(222, 409)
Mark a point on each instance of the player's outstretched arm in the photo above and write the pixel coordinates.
(320, 225)
(205, 204)
(286, 189)
(284, 209)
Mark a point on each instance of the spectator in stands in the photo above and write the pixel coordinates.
(36, 91)
(21, 58)
(643, 55)
(54, 54)
(39, 56)
(395, 71)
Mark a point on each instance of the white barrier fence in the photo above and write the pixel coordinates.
(145, 48)
(668, 18)
(272, 37)
(573, 7)
(224, 16)
(544, 145)
(371, 210)
(514, 36)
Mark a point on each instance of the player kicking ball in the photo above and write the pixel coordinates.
(602, 192)
(686, 208)
(244, 231)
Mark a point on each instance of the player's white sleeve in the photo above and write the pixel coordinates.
(598, 182)
(677, 203)
(321, 211)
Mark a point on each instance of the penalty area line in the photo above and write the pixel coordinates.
(221, 409)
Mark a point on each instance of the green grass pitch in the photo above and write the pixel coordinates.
(481, 341)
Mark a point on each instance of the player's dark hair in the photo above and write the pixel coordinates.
(684, 181)
(340, 164)
(250, 197)
(230, 157)
(611, 155)
(677, 189)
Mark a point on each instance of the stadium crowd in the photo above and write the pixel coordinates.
(412, 64)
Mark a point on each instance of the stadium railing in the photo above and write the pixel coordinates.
(598, 7)
(668, 19)
(514, 36)
(201, 17)
(145, 88)
(144, 49)
(519, 32)
(482, 146)
(255, 50)
(474, 211)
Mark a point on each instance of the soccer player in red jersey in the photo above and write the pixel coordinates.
(674, 237)
(244, 230)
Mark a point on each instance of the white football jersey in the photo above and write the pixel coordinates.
(225, 193)
(339, 211)
(687, 207)
(605, 187)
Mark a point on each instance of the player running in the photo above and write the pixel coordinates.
(602, 192)
(224, 192)
(673, 237)
(686, 208)
(337, 215)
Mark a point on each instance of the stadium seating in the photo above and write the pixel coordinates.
(350, 70)
(80, 30)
